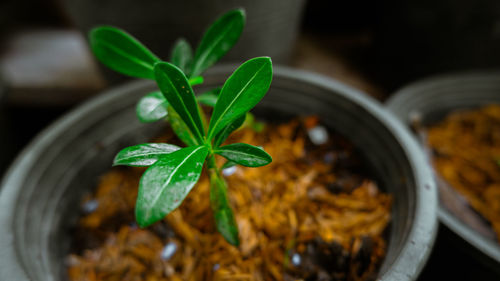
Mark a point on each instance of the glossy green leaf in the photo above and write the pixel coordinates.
(182, 55)
(143, 155)
(209, 98)
(164, 185)
(245, 154)
(241, 92)
(226, 131)
(121, 52)
(175, 86)
(152, 107)
(196, 80)
(229, 164)
(218, 40)
(180, 128)
(226, 225)
(223, 214)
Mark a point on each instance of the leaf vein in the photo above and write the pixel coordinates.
(234, 100)
(127, 55)
(185, 108)
(211, 47)
(157, 197)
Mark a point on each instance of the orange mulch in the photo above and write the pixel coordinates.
(310, 215)
(466, 147)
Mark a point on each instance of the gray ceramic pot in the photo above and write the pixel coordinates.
(44, 185)
(271, 28)
(430, 100)
(5, 139)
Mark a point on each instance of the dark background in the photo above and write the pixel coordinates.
(377, 46)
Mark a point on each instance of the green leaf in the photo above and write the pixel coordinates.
(226, 131)
(218, 40)
(143, 155)
(226, 225)
(182, 55)
(223, 214)
(245, 154)
(229, 164)
(152, 107)
(121, 52)
(209, 98)
(164, 185)
(175, 86)
(241, 92)
(252, 123)
(180, 128)
(196, 80)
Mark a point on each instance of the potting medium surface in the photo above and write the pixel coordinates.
(314, 213)
(466, 153)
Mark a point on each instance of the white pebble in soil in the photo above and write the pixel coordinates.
(168, 251)
(216, 267)
(229, 171)
(296, 259)
(318, 135)
(90, 206)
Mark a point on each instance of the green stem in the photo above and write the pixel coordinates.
(219, 201)
(204, 121)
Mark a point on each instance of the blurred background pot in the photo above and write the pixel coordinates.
(430, 100)
(46, 182)
(417, 38)
(271, 26)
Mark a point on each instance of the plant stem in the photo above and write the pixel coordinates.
(203, 119)
(219, 201)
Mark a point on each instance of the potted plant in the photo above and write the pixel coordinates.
(174, 170)
(38, 216)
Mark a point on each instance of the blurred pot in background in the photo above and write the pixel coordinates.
(429, 101)
(271, 27)
(335, 18)
(416, 38)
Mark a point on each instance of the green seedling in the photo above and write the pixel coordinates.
(173, 171)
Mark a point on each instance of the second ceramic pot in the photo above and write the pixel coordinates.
(430, 100)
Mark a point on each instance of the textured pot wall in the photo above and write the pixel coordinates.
(46, 183)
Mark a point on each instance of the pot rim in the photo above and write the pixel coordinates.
(407, 264)
(486, 246)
